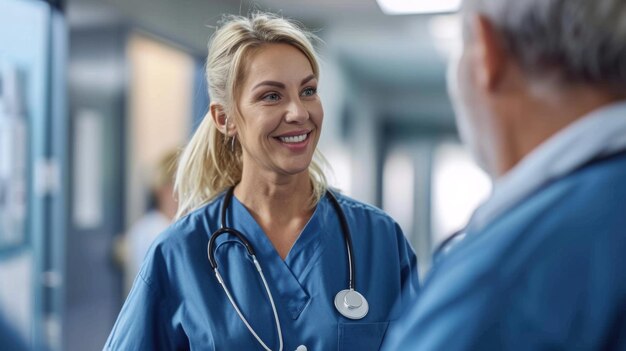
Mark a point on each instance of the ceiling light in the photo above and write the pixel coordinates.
(405, 7)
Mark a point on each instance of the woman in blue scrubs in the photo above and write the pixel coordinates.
(252, 159)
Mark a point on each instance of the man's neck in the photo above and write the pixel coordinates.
(540, 115)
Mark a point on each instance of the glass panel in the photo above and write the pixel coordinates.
(13, 156)
(459, 186)
(398, 189)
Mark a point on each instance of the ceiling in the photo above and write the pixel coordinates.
(396, 57)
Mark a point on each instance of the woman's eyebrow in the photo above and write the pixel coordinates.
(270, 83)
(280, 85)
(307, 79)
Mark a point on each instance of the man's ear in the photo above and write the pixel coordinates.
(491, 54)
(224, 124)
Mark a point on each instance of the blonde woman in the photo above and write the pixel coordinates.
(264, 256)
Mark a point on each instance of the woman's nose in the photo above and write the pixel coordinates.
(296, 112)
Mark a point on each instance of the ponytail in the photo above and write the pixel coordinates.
(207, 167)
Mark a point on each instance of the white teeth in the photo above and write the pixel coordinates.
(293, 139)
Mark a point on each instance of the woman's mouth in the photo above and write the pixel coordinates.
(294, 139)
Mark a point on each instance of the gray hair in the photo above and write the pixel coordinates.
(581, 41)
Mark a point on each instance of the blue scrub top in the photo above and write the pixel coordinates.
(176, 302)
(550, 274)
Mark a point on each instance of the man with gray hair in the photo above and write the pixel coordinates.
(540, 95)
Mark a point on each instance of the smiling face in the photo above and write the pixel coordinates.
(281, 113)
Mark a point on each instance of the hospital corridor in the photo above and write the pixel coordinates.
(139, 163)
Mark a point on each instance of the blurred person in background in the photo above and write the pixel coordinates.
(249, 173)
(540, 97)
(143, 232)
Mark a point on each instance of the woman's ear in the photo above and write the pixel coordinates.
(224, 124)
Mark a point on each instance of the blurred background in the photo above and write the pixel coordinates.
(95, 93)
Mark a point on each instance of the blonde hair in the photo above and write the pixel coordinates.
(209, 165)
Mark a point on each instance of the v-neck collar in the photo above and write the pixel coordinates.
(307, 236)
(286, 275)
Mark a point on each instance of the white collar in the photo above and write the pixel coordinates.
(601, 132)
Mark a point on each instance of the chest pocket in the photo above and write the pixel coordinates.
(361, 336)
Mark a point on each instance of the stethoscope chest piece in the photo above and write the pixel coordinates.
(351, 304)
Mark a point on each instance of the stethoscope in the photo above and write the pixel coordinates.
(348, 302)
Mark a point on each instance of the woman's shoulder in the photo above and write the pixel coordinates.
(192, 228)
(378, 228)
(181, 245)
(359, 208)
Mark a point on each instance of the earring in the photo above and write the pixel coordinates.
(232, 139)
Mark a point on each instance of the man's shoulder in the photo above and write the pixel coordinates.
(560, 223)
(583, 198)
(600, 176)
(557, 251)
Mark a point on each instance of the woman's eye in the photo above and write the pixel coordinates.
(271, 97)
(309, 92)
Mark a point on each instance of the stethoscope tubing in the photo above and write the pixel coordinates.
(345, 229)
(242, 238)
